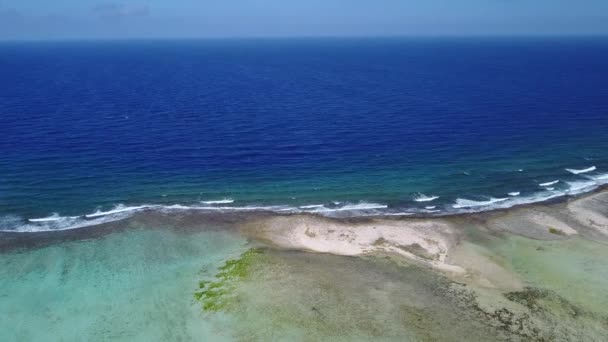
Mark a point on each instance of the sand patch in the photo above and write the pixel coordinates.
(484, 268)
(553, 225)
(424, 241)
(590, 211)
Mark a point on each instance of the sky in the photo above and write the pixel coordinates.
(131, 19)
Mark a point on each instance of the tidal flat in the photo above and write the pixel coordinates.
(527, 273)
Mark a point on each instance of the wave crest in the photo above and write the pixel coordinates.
(581, 171)
(425, 198)
(55, 222)
(222, 201)
(466, 203)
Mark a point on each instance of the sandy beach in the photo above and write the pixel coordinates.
(440, 243)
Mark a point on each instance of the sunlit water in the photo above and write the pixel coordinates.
(135, 285)
(385, 124)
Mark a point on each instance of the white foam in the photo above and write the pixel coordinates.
(312, 206)
(364, 206)
(225, 208)
(222, 201)
(57, 223)
(176, 207)
(580, 187)
(600, 177)
(315, 208)
(576, 172)
(514, 193)
(351, 207)
(53, 218)
(466, 203)
(533, 198)
(574, 188)
(119, 209)
(468, 206)
(424, 198)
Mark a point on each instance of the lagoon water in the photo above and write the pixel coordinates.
(133, 285)
(136, 280)
(355, 125)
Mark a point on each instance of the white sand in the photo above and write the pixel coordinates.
(435, 242)
(424, 241)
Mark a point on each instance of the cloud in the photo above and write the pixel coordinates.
(117, 11)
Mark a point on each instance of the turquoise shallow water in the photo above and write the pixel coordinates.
(135, 285)
(136, 280)
(574, 268)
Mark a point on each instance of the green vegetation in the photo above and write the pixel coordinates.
(556, 231)
(380, 242)
(217, 294)
(538, 300)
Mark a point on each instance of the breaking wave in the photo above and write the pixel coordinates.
(424, 198)
(576, 172)
(56, 222)
(222, 201)
(466, 203)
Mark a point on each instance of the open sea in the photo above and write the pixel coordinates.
(94, 131)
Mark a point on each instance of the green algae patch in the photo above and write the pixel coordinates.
(556, 231)
(218, 293)
(537, 300)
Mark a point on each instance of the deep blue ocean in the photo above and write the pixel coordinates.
(333, 126)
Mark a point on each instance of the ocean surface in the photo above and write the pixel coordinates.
(94, 131)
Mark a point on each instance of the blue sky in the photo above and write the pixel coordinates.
(91, 19)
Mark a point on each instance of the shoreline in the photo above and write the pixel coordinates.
(534, 272)
(440, 243)
(121, 212)
(435, 242)
(176, 210)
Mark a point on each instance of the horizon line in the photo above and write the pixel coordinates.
(279, 37)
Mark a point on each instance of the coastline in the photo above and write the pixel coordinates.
(440, 243)
(231, 219)
(531, 272)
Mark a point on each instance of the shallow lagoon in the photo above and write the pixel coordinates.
(133, 285)
(138, 282)
(574, 268)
